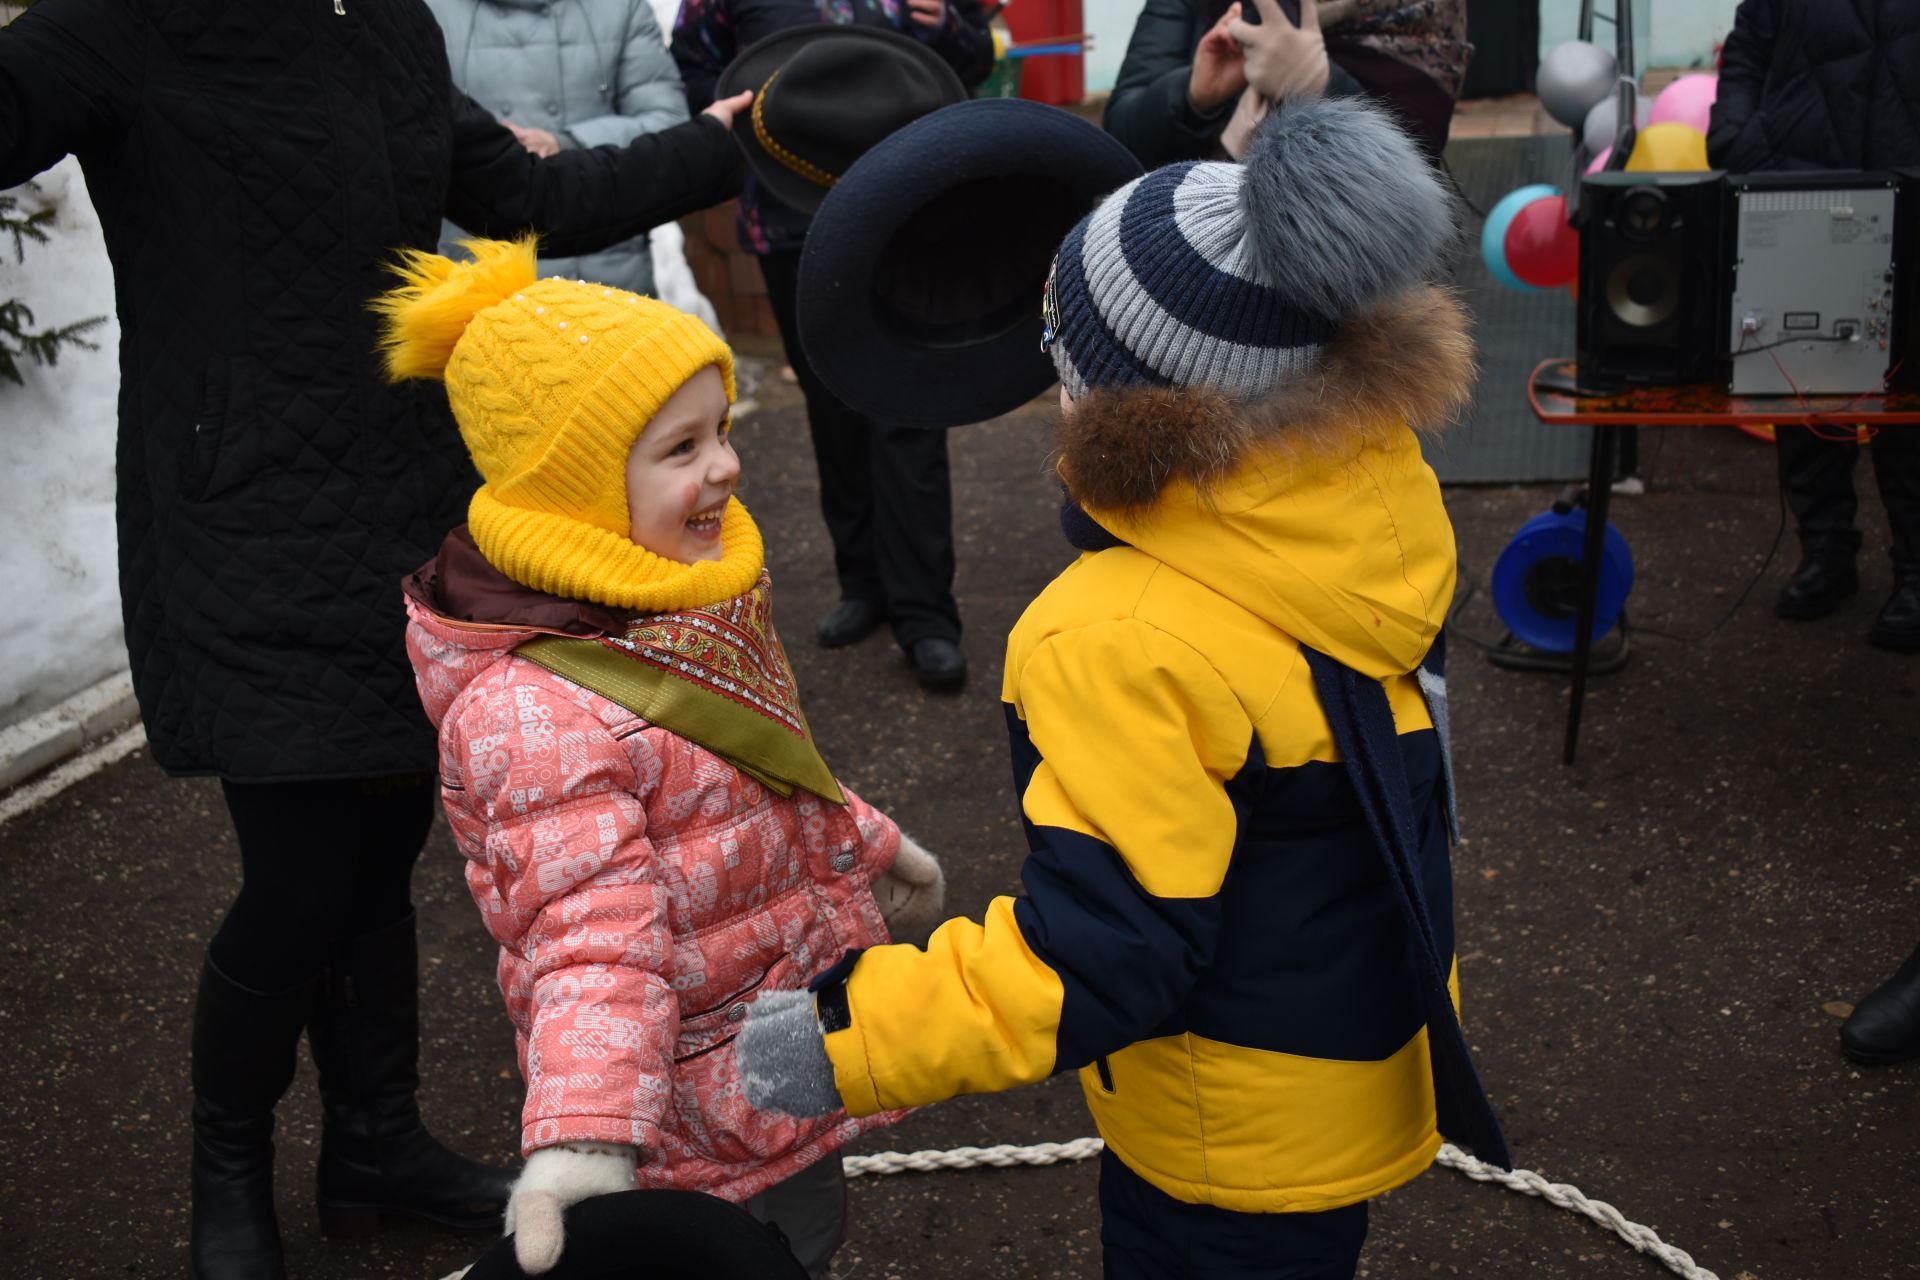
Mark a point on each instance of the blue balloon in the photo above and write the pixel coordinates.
(1493, 235)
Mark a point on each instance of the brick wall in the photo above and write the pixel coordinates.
(726, 273)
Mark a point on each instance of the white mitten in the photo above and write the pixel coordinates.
(556, 1177)
(911, 892)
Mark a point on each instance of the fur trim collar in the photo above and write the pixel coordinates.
(1407, 363)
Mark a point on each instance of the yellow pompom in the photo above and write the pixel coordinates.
(425, 316)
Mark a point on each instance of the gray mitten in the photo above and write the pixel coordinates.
(783, 1063)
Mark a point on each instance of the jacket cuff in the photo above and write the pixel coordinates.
(618, 1131)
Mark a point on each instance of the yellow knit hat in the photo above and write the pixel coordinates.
(551, 382)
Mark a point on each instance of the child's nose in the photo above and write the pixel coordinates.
(725, 467)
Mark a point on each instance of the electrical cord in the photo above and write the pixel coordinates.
(1470, 588)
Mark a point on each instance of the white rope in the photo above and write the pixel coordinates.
(1001, 1157)
(1525, 1181)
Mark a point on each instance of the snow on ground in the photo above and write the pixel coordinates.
(59, 599)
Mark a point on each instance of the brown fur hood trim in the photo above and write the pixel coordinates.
(1406, 363)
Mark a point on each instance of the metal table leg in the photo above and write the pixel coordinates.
(1599, 494)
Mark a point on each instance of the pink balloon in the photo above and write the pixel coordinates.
(1600, 161)
(1688, 101)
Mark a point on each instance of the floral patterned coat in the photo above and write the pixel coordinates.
(642, 890)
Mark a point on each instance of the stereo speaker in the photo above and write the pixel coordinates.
(1653, 278)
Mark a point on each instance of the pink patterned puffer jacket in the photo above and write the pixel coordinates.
(642, 890)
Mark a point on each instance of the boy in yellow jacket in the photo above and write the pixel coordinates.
(1228, 731)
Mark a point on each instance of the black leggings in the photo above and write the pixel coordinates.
(322, 862)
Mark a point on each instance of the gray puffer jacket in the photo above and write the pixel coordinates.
(590, 72)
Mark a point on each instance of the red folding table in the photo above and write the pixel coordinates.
(1557, 399)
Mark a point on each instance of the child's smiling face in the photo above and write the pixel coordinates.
(681, 472)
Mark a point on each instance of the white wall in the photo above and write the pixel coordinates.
(59, 598)
(1667, 33)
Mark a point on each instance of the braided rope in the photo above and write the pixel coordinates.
(1525, 1181)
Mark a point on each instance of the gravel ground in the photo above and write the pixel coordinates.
(1657, 944)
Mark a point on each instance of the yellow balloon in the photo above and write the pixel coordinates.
(1668, 148)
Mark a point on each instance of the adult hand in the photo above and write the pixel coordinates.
(1284, 60)
(1219, 70)
(725, 109)
(538, 141)
(554, 1179)
(927, 13)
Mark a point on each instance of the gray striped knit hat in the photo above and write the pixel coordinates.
(1234, 276)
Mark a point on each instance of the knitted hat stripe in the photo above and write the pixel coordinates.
(1098, 358)
(1186, 282)
(1159, 340)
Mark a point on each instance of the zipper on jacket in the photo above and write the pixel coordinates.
(1105, 1072)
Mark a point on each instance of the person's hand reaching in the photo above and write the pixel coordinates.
(725, 109)
(555, 1179)
(538, 141)
(1284, 60)
(927, 13)
(1219, 71)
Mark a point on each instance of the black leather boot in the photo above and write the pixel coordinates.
(244, 1049)
(1897, 625)
(377, 1161)
(1885, 1026)
(1823, 580)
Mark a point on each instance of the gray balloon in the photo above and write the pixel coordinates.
(1602, 122)
(1572, 78)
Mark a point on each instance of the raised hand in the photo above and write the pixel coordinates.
(725, 109)
(1219, 71)
(1284, 60)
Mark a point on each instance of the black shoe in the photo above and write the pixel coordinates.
(244, 1046)
(1885, 1026)
(938, 663)
(848, 621)
(1818, 586)
(1897, 625)
(377, 1161)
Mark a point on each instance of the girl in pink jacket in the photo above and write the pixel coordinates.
(650, 833)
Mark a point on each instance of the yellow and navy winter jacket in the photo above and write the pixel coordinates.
(1208, 933)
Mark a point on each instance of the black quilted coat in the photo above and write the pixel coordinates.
(1819, 84)
(253, 163)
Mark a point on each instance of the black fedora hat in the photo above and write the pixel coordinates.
(920, 280)
(657, 1235)
(824, 94)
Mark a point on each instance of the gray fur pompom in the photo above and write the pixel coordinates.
(1342, 210)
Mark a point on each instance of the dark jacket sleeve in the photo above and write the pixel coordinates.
(68, 81)
(584, 200)
(1149, 110)
(1736, 139)
(963, 41)
(703, 44)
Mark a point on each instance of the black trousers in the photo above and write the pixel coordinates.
(322, 863)
(1816, 475)
(884, 491)
(1145, 1234)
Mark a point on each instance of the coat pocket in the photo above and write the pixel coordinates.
(703, 1032)
(207, 465)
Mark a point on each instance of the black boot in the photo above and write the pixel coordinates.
(376, 1159)
(1885, 1026)
(1897, 625)
(244, 1049)
(1823, 580)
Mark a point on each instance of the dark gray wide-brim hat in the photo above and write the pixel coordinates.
(921, 277)
(823, 94)
(657, 1235)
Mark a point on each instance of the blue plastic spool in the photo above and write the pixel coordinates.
(1536, 581)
